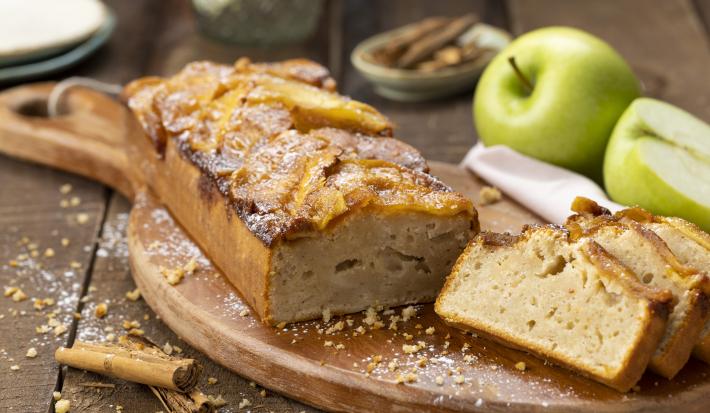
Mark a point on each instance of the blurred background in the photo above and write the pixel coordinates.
(666, 43)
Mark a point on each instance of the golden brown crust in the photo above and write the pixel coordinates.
(610, 265)
(587, 222)
(682, 343)
(586, 206)
(288, 154)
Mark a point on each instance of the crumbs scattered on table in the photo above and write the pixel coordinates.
(133, 295)
(101, 310)
(65, 189)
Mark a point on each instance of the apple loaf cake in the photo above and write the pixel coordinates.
(298, 194)
(570, 302)
(645, 253)
(689, 244)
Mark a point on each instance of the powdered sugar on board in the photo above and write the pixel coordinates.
(406, 347)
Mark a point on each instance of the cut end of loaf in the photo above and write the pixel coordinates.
(568, 302)
(369, 259)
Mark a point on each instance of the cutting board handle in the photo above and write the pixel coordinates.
(88, 137)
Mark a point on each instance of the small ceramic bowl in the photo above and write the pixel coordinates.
(414, 86)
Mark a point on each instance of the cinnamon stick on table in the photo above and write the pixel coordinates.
(136, 363)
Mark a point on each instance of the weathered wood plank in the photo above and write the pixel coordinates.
(443, 130)
(664, 41)
(174, 43)
(703, 10)
(110, 281)
(31, 219)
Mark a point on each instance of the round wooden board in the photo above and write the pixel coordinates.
(300, 361)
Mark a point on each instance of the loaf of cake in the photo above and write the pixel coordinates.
(298, 194)
(688, 243)
(645, 253)
(567, 301)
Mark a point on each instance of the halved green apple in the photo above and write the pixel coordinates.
(658, 157)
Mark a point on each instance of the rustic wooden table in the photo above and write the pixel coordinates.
(666, 42)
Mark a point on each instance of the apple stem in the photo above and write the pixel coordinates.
(524, 80)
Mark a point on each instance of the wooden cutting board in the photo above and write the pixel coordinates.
(317, 362)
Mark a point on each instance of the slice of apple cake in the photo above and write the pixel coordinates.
(688, 243)
(570, 302)
(645, 253)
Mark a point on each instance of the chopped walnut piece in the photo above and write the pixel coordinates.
(244, 313)
(410, 378)
(335, 327)
(520, 365)
(460, 379)
(31, 352)
(56, 395)
(131, 324)
(65, 242)
(9, 291)
(44, 328)
(408, 312)
(218, 401)
(82, 218)
(211, 380)
(190, 267)
(244, 403)
(430, 330)
(65, 189)
(101, 310)
(62, 406)
(410, 349)
(19, 295)
(49, 253)
(370, 316)
(173, 276)
(133, 295)
(60, 329)
(489, 195)
(326, 315)
(439, 381)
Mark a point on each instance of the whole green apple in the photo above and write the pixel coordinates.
(555, 94)
(659, 158)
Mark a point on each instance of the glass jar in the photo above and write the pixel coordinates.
(258, 22)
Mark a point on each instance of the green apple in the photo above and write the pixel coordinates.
(558, 100)
(659, 158)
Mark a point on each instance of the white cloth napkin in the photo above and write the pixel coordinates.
(543, 188)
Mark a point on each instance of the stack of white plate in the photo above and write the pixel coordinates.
(38, 37)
